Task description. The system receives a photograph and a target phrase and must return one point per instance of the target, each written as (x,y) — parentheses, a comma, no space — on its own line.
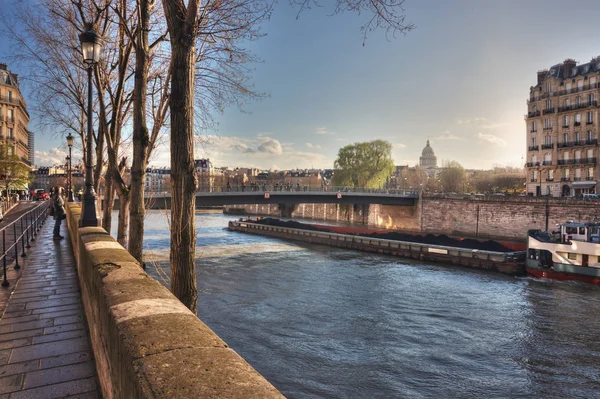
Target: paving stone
(18,313)
(61,390)
(21,334)
(4,355)
(68,320)
(11,383)
(71,358)
(59,374)
(87,395)
(71,312)
(30,325)
(39,351)
(14,343)
(63,327)
(56,308)
(19,368)
(20,319)
(52,303)
(60,336)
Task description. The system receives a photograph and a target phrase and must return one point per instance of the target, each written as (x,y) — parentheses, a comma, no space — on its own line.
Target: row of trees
(167,67)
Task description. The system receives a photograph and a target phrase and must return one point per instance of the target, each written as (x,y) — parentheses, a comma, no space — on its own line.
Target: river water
(322,322)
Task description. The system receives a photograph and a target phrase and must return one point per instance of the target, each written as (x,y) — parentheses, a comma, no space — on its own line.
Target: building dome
(428,151)
(428,159)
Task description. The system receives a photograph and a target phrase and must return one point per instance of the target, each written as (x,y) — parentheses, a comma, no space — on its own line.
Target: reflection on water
(323,322)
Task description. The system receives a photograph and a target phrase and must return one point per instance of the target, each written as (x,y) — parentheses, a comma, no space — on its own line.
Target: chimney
(541,75)
(3,66)
(595,59)
(16,77)
(569,64)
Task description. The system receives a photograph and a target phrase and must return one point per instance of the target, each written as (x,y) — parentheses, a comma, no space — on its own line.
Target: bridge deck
(45,348)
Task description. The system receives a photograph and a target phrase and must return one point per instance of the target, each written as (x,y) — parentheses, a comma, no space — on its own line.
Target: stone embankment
(498,218)
(147,344)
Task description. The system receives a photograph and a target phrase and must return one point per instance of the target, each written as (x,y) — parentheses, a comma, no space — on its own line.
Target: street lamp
(90,49)
(70,140)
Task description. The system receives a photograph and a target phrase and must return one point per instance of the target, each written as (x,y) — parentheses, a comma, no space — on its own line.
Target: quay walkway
(45,347)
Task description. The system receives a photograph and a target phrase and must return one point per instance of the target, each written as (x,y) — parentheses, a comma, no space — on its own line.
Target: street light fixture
(70,140)
(91,45)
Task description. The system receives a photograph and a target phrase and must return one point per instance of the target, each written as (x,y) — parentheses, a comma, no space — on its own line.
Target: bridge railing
(274,188)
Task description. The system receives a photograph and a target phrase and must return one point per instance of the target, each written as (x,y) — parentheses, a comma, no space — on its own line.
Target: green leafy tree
(14,174)
(367,164)
(452,178)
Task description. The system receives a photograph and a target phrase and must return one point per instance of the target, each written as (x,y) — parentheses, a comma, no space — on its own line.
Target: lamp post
(70,140)
(90,48)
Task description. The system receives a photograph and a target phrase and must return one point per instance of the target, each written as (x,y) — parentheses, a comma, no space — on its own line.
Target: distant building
(13,116)
(428,160)
(562,130)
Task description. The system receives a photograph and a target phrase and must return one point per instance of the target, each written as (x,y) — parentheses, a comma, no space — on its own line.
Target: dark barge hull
(512,263)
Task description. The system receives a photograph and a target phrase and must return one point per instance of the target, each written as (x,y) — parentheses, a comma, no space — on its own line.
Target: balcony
(577,106)
(533,131)
(548,128)
(577,179)
(565,179)
(548,111)
(565,126)
(547,163)
(532,164)
(566,162)
(590,178)
(549,178)
(577,124)
(579,143)
(533,114)
(582,161)
(564,144)
(547,146)
(534,180)
(589,123)
(534,147)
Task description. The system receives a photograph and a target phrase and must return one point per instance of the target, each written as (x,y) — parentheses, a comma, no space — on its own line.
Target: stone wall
(502,218)
(147,344)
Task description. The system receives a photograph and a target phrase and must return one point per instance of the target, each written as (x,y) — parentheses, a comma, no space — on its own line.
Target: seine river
(321,322)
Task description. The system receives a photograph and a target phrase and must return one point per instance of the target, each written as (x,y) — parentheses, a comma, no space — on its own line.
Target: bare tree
(194,30)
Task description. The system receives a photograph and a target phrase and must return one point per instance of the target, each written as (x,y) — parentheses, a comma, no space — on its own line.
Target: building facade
(562,130)
(13,116)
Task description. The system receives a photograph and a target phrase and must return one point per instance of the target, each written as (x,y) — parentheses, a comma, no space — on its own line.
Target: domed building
(428,160)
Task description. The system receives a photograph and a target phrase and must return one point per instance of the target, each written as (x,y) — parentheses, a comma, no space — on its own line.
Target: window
(547,123)
(548,140)
(534,159)
(577,119)
(577,155)
(548,158)
(578,100)
(590,153)
(566,155)
(10,132)
(589,136)
(11,115)
(590,173)
(565,138)
(580,84)
(566,121)
(590,117)
(533,127)
(548,87)
(567,102)
(590,99)
(568,86)
(566,173)
(533,141)
(578,173)
(592,80)
(548,104)
(577,137)
(534,175)
(10,96)
(550,174)
(534,108)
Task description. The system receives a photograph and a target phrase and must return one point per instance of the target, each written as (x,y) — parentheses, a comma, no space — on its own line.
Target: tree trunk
(141,138)
(183,177)
(123,220)
(109,202)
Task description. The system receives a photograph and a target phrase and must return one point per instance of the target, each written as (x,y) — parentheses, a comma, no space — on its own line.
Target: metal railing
(24,230)
(288,187)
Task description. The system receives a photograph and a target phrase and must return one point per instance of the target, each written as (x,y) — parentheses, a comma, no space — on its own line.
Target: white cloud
(446,135)
(463,121)
(55,156)
(323,131)
(490,138)
(399,145)
(270,146)
(495,125)
(315,146)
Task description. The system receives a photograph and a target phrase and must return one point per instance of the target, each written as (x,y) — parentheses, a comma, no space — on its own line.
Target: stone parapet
(147,344)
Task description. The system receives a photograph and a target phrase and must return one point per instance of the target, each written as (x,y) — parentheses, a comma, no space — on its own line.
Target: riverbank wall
(146,343)
(499,218)
(506,263)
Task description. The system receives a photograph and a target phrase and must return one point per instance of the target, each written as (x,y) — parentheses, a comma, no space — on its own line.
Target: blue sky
(460,79)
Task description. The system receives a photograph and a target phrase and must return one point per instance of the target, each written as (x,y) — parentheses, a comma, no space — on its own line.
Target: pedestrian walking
(58,204)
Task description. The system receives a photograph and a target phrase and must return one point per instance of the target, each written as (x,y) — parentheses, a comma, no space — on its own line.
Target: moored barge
(570,253)
(509,261)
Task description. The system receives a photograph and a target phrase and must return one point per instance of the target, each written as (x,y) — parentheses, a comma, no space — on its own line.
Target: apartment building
(562,130)
(13,116)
